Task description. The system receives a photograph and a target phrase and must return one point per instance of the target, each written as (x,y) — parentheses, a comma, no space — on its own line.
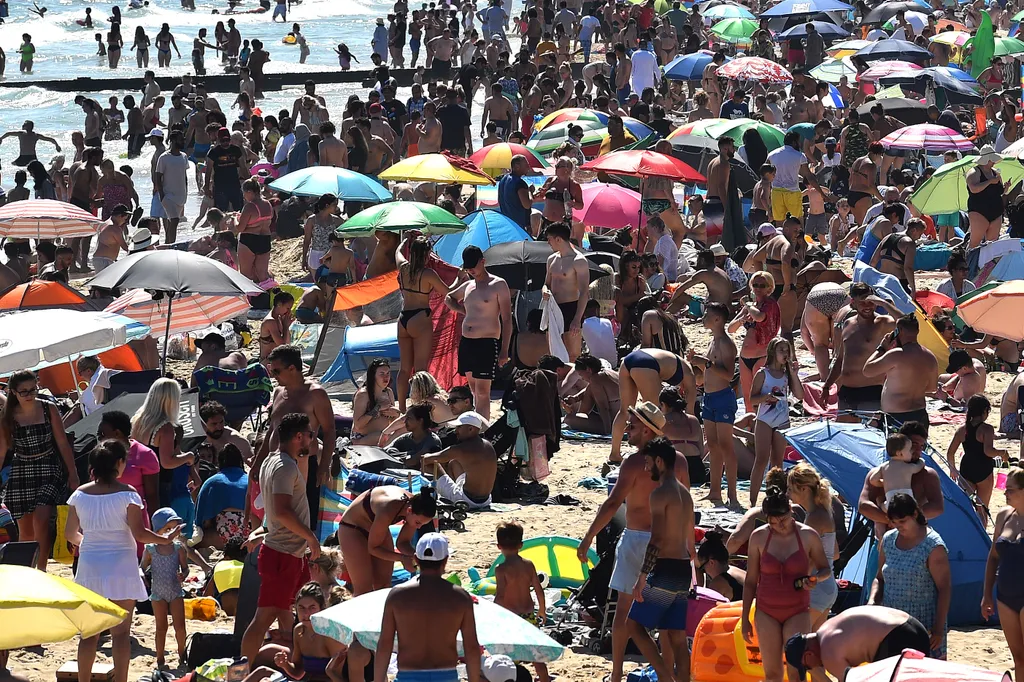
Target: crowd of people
(609,341)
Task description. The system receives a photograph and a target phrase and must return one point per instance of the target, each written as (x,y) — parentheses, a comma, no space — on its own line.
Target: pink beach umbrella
(607,205)
(46,219)
(927,136)
(755,69)
(912,666)
(190,312)
(887,68)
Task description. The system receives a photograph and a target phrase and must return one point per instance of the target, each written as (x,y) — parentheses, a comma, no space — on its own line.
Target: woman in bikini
(423,388)
(275,329)
(779,256)
(364,534)
(415,330)
(719,575)
(895,254)
(164,41)
(310,655)
(373,405)
(114,45)
(785,560)
(253,230)
(760,316)
(556,209)
(317,231)
(630,287)
(685,433)
(141,47)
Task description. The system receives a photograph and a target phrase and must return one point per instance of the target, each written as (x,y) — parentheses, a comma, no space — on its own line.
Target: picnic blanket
(582,435)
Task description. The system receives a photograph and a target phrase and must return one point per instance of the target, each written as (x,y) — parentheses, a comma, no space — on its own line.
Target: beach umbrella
(951,38)
(29,338)
(957,26)
(832,70)
(946,190)
(735,30)
(496,159)
(442,167)
(888,68)
(913,665)
(755,69)
(46,219)
(953,72)
(486,228)
(175,271)
(401,215)
(689,67)
(39,293)
(847,48)
(498,630)
(887,10)
(998,311)
(903,109)
(524,264)
(660,6)
(927,136)
(788,8)
(826,28)
(608,205)
(727,11)
(917,20)
(191,311)
(644,164)
(696,128)
(893,49)
(715,128)
(1004,46)
(345,184)
(554,135)
(572,114)
(698,150)
(48,608)
(834,99)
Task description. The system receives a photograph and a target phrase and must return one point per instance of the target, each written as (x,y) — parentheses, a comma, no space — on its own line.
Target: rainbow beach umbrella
(496,159)
(576,114)
(927,136)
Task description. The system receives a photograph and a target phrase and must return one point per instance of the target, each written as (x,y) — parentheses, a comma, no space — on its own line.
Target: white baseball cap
(499,668)
(472,419)
(156,132)
(432,547)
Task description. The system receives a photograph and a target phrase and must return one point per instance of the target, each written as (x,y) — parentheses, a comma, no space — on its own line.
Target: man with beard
(218,433)
(925,483)
(632,488)
(910,370)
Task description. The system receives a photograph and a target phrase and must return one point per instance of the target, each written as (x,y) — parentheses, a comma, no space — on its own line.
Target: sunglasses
(760,286)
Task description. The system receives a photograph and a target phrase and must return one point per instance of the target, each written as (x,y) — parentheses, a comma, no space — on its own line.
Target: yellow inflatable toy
(289,39)
(719,652)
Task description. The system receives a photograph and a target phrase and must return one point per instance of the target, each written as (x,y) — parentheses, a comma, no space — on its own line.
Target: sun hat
(988,155)
(650,415)
(163,516)
(142,239)
(718,250)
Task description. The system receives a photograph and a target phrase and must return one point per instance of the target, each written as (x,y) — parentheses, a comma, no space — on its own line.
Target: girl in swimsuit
(310,654)
(373,405)
(423,388)
(253,230)
(275,329)
(769,394)
(141,47)
(415,329)
(779,257)
(813,494)
(978,461)
(761,318)
(713,562)
(364,534)
(1004,567)
(785,560)
(685,433)
(317,231)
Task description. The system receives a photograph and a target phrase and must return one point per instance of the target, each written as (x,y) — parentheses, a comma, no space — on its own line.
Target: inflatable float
(555,556)
(288,39)
(719,652)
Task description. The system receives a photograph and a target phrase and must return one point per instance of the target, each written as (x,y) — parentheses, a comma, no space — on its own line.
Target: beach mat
(582,435)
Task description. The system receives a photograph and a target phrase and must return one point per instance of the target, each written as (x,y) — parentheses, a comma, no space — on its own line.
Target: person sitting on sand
(472,464)
(594,408)
(213,353)
(373,405)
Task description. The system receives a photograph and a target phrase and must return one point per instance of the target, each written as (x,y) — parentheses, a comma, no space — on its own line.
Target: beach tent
(360,347)
(1009,267)
(486,228)
(844,453)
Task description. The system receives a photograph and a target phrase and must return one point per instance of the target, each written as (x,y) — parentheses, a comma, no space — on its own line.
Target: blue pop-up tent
(360,347)
(1009,267)
(844,453)
(486,228)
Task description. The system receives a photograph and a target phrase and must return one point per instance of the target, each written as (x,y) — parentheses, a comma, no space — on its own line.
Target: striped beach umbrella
(951,38)
(576,114)
(847,48)
(189,313)
(832,70)
(892,67)
(755,69)
(496,159)
(927,136)
(46,219)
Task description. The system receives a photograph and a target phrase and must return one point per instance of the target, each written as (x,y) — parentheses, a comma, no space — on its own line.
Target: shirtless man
(864,182)
(112,238)
(709,82)
(499,109)
(427,614)
(213,353)
(593,409)
(623,73)
(218,433)
(719,410)
(472,464)
(531,103)
(380,154)
(856,337)
(910,370)
(295,393)
(486,303)
(430,130)
(800,109)
(665,577)
(925,483)
(382,260)
(714,279)
(300,112)
(718,173)
(882,124)
(441,48)
(633,488)
(568,280)
(27,141)
(859,635)
(333,152)
(84,180)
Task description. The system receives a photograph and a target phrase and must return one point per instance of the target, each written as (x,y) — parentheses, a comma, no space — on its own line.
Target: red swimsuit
(776,595)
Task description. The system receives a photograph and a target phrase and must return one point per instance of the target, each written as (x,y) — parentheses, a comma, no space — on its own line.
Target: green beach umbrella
(735,30)
(1018,16)
(553,136)
(946,190)
(832,70)
(401,215)
(734,129)
(1004,46)
(660,6)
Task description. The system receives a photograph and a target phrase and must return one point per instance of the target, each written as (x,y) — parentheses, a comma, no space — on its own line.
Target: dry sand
(982,646)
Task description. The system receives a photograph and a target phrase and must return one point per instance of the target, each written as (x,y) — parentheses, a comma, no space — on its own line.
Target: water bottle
(238,670)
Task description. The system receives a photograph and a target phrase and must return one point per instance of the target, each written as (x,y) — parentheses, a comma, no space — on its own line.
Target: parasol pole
(167,333)
(640,215)
(323,330)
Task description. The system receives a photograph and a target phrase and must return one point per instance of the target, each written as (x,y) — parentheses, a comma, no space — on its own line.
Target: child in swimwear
(516,576)
(895,474)
(816,224)
(101,51)
(761,205)
(169,568)
(311,653)
(28,51)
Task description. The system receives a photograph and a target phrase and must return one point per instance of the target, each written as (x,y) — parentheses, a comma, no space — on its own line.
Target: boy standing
(516,576)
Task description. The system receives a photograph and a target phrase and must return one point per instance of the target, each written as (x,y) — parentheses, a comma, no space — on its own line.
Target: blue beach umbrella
(486,228)
(727,12)
(825,28)
(345,184)
(688,67)
(788,8)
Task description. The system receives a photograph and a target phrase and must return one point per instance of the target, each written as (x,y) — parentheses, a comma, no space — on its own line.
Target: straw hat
(650,415)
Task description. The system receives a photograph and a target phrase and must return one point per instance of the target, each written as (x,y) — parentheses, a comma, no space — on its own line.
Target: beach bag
(645,674)
(61,552)
(538,464)
(204,646)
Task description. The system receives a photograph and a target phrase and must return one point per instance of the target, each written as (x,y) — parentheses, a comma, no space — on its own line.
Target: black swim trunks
(909,635)
(860,398)
(478,357)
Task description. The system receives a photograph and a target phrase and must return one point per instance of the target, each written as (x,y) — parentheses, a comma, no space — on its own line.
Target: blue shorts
(720,406)
(622,94)
(443,675)
(279,11)
(665,595)
(414,44)
(199,152)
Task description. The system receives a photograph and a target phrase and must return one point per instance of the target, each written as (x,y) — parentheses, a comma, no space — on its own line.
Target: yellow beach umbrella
(437,168)
(39,607)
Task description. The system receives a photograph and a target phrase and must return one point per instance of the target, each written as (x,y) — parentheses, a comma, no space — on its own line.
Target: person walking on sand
(516,577)
(568,283)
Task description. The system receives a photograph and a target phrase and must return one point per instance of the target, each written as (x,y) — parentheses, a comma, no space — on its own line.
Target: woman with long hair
(253,229)
(976,466)
(43,468)
(311,656)
(813,494)
(685,433)
(359,151)
(275,329)
(154,425)
(769,393)
(913,571)
(719,575)
(423,388)
(1004,568)
(364,534)
(105,520)
(373,405)
(760,316)
(141,47)
(630,287)
(44,187)
(317,231)
(416,281)
(785,560)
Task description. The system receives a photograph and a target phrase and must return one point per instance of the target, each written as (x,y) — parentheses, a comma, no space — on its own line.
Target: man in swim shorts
(427,614)
(718,189)
(28,138)
(910,370)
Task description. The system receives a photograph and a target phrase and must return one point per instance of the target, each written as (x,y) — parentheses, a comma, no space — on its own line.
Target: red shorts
(281,576)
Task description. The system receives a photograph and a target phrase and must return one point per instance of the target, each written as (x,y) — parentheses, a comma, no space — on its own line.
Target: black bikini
(406,315)
(889,247)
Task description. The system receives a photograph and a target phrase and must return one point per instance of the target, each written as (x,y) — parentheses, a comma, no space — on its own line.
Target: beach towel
(553,323)
(444,363)
(582,435)
(932,257)
(813,403)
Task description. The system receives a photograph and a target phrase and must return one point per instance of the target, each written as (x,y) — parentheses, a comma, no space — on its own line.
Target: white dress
(107,561)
